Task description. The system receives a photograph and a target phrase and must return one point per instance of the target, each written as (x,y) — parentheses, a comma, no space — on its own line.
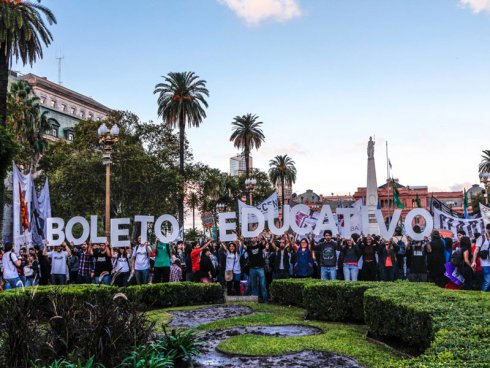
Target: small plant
(62,363)
(182,345)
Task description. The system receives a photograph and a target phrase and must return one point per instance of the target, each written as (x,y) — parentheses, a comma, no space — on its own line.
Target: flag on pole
(466,215)
(396,196)
(417,200)
(389,164)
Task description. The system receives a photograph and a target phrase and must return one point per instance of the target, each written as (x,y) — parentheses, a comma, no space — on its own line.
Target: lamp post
(107,138)
(250,184)
(485,179)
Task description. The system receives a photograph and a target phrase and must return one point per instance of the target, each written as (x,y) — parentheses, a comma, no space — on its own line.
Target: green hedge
(447,328)
(290,291)
(149,296)
(450,328)
(337,301)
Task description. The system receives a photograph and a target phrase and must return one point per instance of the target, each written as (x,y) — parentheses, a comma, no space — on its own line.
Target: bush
(449,328)
(336,301)
(290,291)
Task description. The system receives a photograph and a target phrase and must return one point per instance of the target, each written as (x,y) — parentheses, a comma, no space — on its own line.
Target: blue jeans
(142,276)
(257,280)
(31,281)
(329,273)
(106,280)
(84,279)
(485,286)
(350,272)
(13,283)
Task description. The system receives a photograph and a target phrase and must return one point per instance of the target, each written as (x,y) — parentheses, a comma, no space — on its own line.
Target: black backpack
(483,254)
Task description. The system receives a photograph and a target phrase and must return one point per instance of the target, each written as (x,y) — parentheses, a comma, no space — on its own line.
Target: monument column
(371,190)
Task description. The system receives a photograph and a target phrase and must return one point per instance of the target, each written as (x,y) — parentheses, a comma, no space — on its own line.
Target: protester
(482,251)
(417,258)
(161,269)
(206,268)
(327,251)
(387,252)
(74,264)
(10,263)
(59,263)
(195,257)
(232,268)
(402,270)
(122,267)
(140,266)
(368,249)
(465,261)
(256,268)
(175,270)
(31,269)
(477,271)
(85,265)
(350,255)
(282,259)
(436,260)
(102,256)
(304,259)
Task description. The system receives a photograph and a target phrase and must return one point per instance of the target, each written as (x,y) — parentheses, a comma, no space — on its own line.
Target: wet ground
(212,357)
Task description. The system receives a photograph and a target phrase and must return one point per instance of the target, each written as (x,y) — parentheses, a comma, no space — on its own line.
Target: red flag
(23,210)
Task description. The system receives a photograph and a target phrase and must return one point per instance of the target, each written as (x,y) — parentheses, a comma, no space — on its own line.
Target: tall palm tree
(485,162)
(247,135)
(23,33)
(282,170)
(181,102)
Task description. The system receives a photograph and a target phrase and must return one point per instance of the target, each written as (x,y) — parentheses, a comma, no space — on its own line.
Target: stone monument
(371,190)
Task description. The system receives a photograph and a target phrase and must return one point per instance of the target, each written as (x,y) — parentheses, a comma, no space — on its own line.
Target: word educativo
(57,232)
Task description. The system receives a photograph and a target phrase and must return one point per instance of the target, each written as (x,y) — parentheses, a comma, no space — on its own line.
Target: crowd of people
(248,266)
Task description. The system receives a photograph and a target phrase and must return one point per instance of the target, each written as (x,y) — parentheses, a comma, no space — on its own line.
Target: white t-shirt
(141,261)
(9,269)
(121,264)
(233,262)
(484,245)
(58,262)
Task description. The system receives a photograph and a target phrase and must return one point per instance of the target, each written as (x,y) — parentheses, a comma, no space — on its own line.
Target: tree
(28,123)
(485,162)
(181,102)
(247,135)
(282,170)
(22,35)
(193,203)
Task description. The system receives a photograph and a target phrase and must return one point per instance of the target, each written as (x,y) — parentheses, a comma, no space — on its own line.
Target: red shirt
(195,259)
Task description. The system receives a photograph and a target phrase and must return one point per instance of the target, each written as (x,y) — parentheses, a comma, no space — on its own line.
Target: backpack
(457,259)
(401,247)
(483,254)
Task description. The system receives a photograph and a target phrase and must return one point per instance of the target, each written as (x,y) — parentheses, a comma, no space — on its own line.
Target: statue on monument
(370,150)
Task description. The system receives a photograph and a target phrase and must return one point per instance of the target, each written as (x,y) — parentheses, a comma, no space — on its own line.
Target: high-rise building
(288,191)
(238,165)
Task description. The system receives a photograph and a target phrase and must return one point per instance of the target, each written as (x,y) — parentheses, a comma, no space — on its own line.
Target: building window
(73,110)
(63,107)
(99,118)
(53,103)
(54,128)
(43,100)
(90,116)
(69,137)
(82,114)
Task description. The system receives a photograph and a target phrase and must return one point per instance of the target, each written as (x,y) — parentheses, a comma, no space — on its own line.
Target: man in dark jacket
(281,260)
(328,256)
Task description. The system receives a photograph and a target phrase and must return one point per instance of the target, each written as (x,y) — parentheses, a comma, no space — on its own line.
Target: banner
(485,212)
(272,200)
(470,226)
(44,201)
(25,184)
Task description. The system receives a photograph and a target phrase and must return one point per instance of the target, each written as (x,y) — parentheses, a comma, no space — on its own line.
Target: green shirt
(162,259)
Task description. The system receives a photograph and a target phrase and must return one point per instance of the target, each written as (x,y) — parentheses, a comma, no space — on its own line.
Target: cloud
(477,6)
(256,11)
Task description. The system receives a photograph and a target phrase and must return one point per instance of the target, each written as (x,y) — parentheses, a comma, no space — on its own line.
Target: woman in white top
(141,263)
(122,267)
(232,269)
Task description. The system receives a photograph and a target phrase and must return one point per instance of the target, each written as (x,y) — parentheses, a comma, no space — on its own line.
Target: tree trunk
(4,79)
(181,170)
(282,198)
(246,153)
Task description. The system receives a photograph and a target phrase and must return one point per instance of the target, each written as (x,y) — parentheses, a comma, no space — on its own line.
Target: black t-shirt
(102,263)
(418,258)
(255,256)
(328,253)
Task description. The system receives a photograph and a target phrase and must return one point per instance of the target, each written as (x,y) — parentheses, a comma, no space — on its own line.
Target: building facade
(65,107)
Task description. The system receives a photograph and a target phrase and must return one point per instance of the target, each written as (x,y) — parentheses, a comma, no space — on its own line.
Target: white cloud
(255,11)
(477,6)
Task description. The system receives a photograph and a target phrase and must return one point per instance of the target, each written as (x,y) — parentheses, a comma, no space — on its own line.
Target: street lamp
(484,179)
(250,184)
(107,138)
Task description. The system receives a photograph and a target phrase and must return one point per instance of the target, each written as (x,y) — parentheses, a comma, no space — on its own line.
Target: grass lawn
(348,340)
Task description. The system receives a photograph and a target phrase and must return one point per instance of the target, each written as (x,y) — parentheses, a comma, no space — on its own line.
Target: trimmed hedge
(290,291)
(336,301)
(448,328)
(148,296)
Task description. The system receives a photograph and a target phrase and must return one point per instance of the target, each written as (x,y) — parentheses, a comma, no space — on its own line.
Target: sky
(323,76)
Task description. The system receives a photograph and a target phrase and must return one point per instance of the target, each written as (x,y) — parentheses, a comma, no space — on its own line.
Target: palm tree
(181,102)
(193,202)
(485,162)
(22,35)
(247,135)
(282,170)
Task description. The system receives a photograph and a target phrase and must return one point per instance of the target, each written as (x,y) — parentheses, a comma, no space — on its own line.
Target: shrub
(336,301)
(290,291)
